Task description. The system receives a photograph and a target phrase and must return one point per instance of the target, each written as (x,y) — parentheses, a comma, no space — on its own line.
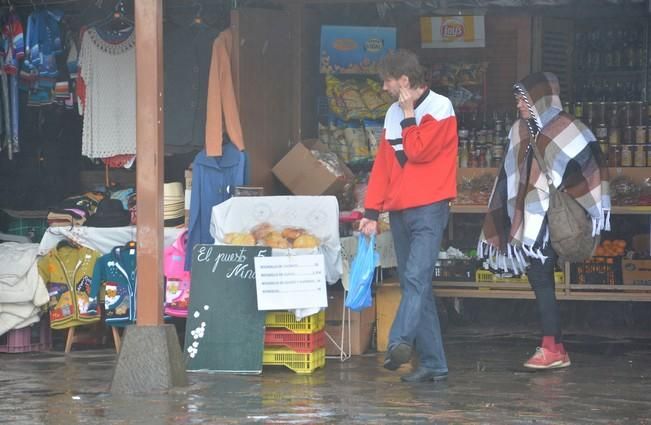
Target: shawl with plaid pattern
(515,227)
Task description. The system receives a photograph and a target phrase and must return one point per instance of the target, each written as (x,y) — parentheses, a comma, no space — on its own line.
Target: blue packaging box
(354,50)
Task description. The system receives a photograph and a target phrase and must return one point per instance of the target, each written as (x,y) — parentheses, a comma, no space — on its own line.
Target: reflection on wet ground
(608,383)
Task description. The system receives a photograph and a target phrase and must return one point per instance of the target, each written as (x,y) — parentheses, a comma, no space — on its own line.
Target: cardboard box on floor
(303,174)
(636,272)
(361,326)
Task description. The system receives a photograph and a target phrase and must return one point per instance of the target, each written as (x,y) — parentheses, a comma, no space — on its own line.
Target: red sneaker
(546,359)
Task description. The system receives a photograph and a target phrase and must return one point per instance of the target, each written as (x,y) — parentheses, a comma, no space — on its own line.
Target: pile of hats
(173,204)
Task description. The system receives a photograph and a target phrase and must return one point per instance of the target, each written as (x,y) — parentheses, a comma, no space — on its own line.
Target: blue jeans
(417,234)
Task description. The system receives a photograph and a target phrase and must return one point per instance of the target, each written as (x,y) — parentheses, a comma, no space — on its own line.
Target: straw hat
(173,191)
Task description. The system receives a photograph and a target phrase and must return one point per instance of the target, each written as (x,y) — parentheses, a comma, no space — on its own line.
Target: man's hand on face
(368,226)
(406,101)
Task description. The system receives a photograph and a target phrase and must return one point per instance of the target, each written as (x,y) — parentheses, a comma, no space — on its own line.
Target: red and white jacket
(416,164)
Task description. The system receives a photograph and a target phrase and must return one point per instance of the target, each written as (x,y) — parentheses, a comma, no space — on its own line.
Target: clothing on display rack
(177,280)
(13,51)
(213,179)
(67,271)
(39,70)
(187,53)
(116,271)
(222,113)
(22,290)
(107,93)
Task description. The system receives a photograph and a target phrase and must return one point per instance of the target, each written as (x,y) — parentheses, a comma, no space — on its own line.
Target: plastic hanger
(67,243)
(198,18)
(117,17)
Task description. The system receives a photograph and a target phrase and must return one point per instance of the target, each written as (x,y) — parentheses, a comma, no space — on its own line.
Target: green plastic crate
(32,224)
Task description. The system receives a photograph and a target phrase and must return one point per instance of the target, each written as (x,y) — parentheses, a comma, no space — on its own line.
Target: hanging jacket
(186,85)
(221,106)
(67,273)
(213,181)
(177,279)
(117,272)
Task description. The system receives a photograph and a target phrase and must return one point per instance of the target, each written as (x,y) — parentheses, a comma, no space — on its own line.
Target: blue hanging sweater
(117,272)
(213,181)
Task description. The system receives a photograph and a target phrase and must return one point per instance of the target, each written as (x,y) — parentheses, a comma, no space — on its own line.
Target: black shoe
(397,356)
(424,375)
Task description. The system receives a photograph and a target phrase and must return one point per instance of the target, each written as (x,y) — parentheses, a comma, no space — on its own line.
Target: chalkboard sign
(224,330)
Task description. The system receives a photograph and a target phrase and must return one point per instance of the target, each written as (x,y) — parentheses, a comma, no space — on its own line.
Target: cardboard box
(361,326)
(303,174)
(636,272)
(388,299)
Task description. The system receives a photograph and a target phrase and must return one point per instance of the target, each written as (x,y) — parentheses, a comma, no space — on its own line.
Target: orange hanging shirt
(222,108)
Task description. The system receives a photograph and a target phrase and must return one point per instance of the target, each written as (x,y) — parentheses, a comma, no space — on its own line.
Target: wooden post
(149,177)
(150,358)
(296,10)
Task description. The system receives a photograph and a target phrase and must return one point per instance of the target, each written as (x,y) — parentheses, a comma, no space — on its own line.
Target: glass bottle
(463,154)
(639,158)
(626,159)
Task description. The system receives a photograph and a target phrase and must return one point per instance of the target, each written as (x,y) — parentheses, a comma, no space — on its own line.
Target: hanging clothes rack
(30,3)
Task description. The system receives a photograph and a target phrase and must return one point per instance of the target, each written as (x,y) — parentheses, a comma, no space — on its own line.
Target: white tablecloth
(101,239)
(319,215)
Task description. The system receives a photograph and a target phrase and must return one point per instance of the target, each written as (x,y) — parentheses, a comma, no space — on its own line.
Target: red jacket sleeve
(378,181)
(422,143)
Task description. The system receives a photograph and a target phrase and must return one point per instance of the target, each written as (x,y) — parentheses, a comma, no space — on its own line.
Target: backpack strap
(541,162)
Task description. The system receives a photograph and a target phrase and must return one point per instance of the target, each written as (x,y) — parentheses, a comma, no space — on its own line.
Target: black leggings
(541,278)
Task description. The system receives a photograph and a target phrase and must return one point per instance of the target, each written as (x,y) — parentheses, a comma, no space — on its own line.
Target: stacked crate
(36,337)
(298,345)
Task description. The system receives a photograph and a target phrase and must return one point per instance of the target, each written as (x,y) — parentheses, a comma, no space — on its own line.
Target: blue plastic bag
(361,274)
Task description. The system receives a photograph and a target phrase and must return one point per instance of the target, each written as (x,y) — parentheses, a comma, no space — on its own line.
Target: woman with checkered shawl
(515,236)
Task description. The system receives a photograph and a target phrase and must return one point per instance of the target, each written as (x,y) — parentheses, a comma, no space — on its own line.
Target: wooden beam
(149,151)
(296,18)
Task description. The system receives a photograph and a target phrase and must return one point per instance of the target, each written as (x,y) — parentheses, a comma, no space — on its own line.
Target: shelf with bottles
(483,137)
(597,87)
(611,46)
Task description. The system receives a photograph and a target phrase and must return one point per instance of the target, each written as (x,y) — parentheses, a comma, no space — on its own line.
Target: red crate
(301,343)
(31,338)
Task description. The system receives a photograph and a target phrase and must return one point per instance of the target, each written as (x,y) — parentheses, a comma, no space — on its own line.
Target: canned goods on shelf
(626,156)
(639,157)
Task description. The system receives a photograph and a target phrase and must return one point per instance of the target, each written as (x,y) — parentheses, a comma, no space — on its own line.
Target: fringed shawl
(515,227)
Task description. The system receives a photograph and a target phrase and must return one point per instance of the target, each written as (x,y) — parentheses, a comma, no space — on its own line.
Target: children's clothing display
(67,271)
(177,286)
(117,272)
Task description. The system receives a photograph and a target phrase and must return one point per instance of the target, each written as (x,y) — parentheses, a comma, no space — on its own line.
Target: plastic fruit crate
(303,363)
(598,271)
(287,320)
(301,343)
(28,339)
(455,270)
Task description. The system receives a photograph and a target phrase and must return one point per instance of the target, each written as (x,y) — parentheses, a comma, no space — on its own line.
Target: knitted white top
(109,74)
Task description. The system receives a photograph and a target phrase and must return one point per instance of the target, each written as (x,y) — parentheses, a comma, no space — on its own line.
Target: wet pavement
(608,383)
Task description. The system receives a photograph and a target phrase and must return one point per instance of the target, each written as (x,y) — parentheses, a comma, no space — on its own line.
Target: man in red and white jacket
(414,179)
